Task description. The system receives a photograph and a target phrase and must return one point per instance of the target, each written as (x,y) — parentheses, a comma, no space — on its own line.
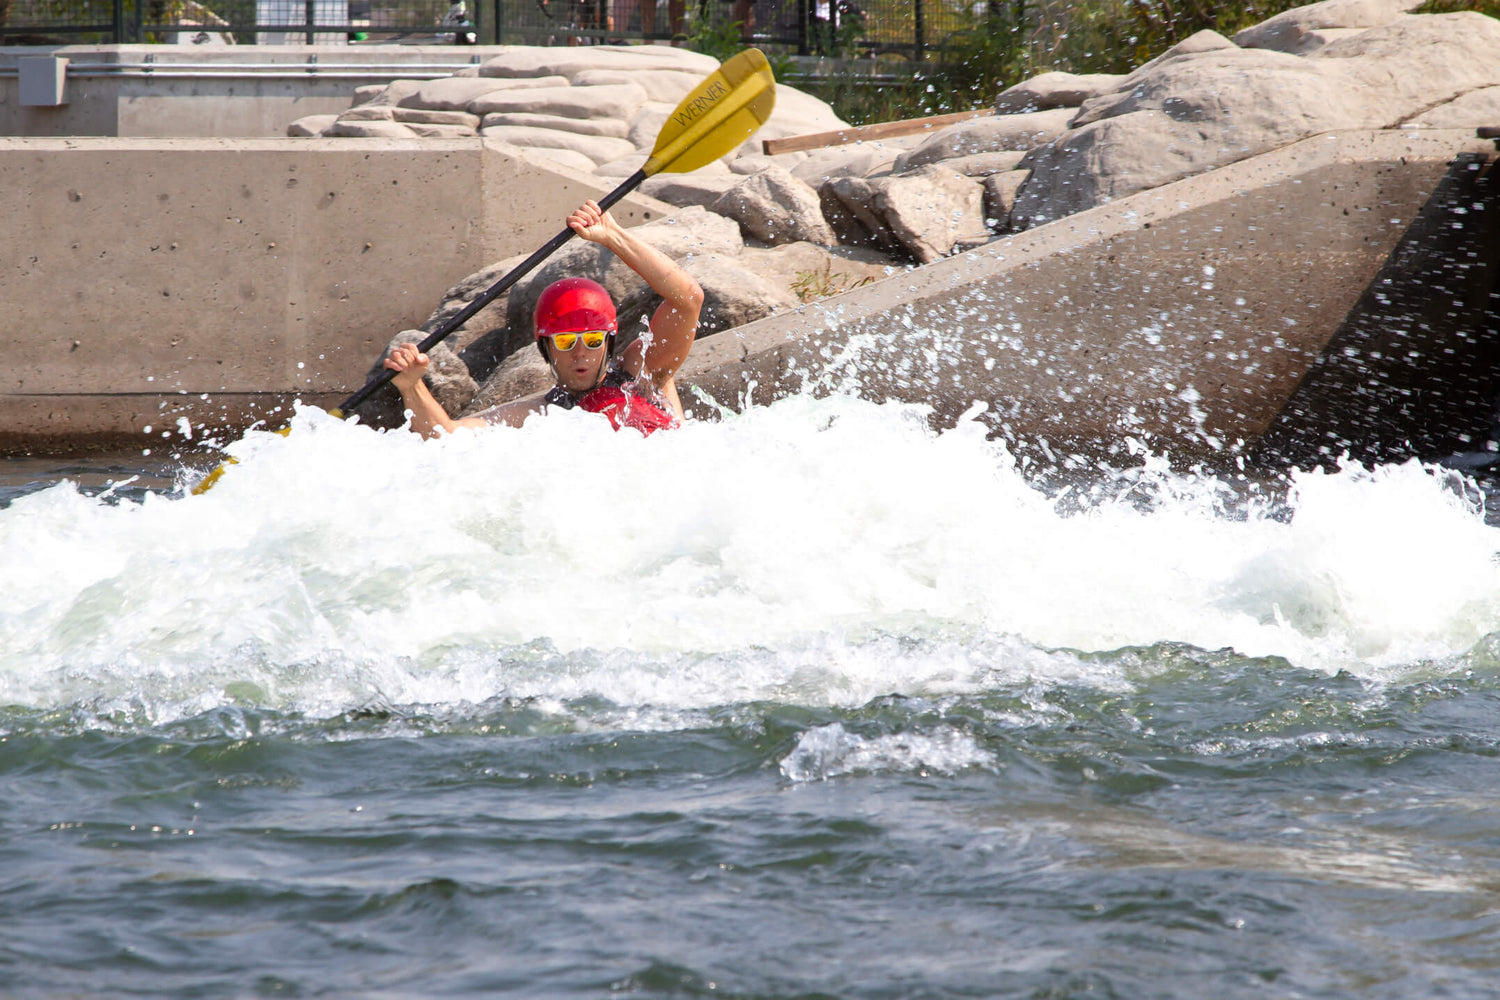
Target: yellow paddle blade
(214,476)
(721,112)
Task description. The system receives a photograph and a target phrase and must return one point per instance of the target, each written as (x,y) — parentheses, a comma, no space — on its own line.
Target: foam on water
(815,551)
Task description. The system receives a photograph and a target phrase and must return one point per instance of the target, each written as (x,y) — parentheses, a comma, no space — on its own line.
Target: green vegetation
(977,49)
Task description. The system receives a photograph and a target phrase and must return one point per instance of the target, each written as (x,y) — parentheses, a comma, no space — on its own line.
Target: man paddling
(575,329)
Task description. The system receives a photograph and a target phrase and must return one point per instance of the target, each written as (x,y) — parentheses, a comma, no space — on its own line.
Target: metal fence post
(119,23)
(921,31)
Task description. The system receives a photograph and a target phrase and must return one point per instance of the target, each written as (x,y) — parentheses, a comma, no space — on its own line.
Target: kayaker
(575,329)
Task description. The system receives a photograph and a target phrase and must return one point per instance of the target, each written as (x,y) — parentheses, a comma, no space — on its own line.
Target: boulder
(696,188)
(850,160)
(666,85)
(369,130)
(1055,90)
(1109,159)
(991,134)
(751,163)
(422,116)
(775,207)
(1000,198)
(567,102)
(612,127)
(646,123)
(473,342)
(984,164)
(524,373)
(447,377)
(1414,63)
(312,125)
(454,93)
(1206,40)
(442,131)
(368,92)
(622,167)
(1476,108)
(392,93)
(369,113)
(926,213)
(1289,30)
(734,295)
(598,148)
(848,205)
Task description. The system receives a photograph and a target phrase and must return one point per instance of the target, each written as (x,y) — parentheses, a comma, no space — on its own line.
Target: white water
(815,551)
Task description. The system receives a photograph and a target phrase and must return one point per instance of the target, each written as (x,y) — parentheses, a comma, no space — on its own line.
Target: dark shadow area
(1414,370)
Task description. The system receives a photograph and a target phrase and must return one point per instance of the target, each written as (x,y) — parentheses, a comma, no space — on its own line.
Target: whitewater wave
(818,551)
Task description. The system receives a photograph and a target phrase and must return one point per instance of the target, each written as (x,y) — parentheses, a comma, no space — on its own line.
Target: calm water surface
(811,702)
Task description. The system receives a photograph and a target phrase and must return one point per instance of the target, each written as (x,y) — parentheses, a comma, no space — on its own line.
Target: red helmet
(572,305)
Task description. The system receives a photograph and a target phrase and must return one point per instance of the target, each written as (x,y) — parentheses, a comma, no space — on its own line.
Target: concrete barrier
(209,91)
(150,281)
(1183,318)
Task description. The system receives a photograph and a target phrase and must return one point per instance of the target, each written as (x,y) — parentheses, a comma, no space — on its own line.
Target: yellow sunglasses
(592,339)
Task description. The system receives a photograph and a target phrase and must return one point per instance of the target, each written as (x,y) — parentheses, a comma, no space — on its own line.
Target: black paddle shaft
(493,292)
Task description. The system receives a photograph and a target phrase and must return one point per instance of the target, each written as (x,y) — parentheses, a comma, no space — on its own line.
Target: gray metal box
(44,80)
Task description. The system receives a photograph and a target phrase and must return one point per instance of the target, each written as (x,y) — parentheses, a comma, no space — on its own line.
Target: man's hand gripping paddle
(721,112)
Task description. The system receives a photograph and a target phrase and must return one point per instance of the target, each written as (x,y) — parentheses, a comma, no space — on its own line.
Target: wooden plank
(867,133)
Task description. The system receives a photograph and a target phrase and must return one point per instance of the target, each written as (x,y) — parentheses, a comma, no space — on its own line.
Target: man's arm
(427,414)
(676,319)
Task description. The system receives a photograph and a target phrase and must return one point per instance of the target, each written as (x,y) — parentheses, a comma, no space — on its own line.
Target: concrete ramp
(1186,318)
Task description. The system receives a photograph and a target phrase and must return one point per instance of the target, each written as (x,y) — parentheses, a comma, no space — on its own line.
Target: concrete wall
(1185,316)
(141,275)
(185,90)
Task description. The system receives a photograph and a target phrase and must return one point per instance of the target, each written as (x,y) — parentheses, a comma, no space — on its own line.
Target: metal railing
(837,28)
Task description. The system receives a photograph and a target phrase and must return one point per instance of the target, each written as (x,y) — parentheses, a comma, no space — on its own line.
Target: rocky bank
(764,233)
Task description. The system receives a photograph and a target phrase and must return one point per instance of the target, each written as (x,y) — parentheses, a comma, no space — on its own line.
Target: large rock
(392,93)
(666,85)
(369,113)
(615,128)
(369,130)
(1302,29)
(1477,107)
(598,148)
(990,134)
(775,207)
(427,131)
(984,164)
(696,188)
(734,295)
(311,125)
(424,116)
(1055,90)
(1000,192)
(1408,66)
(646,123)
(568,102)
(447,377)
(1109,159)
(926,213)
(524,373)
(624,166)
(456,93)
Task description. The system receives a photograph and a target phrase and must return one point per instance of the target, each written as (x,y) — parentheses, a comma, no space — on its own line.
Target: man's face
(578,367)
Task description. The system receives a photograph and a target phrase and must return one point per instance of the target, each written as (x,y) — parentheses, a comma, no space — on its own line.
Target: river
(811,701)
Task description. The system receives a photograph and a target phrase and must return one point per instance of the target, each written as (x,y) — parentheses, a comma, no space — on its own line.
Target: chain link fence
(836,28)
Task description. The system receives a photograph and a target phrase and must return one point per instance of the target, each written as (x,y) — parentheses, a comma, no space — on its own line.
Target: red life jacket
(619,398)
